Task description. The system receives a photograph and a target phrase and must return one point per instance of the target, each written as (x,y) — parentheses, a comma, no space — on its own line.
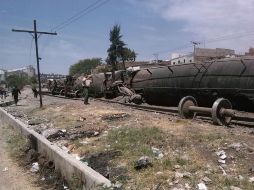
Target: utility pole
(35,36)
(194,52)
(156,56)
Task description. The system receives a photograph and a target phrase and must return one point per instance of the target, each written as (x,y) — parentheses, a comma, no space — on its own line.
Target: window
(190,60)
(184,60)
(178,61)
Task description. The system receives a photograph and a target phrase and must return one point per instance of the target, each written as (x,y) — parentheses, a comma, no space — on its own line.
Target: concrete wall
(65,163)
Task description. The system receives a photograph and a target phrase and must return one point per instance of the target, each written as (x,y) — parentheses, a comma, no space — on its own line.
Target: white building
(2,75)
(180,59)
(202,54)
(29,70)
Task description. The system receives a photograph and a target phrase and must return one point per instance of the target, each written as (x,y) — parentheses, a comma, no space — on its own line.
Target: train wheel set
(221,111)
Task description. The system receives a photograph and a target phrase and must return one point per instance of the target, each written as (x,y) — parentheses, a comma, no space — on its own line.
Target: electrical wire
(80,14)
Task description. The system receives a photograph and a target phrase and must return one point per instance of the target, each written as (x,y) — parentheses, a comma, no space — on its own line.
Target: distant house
(28,70)
(2,75)
(202,54)
(251,51)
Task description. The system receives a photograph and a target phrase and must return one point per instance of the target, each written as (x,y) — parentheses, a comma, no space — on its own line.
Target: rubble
(142,162)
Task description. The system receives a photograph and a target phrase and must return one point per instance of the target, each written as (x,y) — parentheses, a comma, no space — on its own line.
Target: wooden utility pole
(35,36)
(194,53)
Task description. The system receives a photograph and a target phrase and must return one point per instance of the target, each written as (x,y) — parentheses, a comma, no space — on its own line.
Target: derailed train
(232,79)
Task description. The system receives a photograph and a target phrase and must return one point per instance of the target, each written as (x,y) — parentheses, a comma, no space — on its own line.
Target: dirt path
(14,178)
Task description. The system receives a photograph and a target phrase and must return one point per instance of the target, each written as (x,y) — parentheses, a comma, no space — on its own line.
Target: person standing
(15,94)
(86,84)
(35,91)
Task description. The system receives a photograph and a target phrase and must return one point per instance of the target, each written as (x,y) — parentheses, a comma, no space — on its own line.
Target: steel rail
(241,118)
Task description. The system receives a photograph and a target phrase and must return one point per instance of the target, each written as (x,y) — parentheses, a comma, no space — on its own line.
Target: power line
(80,14)
(221,38)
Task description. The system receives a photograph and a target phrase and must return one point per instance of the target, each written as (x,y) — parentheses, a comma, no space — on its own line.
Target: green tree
(17,80)
(116,48)
(128,55)
(84,66)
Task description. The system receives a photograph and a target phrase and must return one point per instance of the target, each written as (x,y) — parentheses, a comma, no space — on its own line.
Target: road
(14,178)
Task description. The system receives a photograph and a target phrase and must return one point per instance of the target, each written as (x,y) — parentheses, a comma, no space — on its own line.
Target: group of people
(86,82)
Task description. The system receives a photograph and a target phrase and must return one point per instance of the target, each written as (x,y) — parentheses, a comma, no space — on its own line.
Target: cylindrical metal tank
(229,78)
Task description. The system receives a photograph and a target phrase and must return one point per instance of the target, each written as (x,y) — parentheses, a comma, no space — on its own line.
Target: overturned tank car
(232,79)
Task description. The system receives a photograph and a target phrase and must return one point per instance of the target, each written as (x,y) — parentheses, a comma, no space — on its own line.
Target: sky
(149,27)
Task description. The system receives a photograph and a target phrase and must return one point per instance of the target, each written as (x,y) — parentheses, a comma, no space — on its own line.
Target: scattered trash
(5,169)
(118,185)
(142,162)
(35,167)
(251,180)
(35,122)
(157,152)
(159,173)
(82,118)
(52,133)
(115,116)
(178,175)
(222,156)
(187,186)
(206,180)
(235,188)
(177,166)
(65,187)
(201,186)
(251,170)
(235,146)
(76,156)
(43,179)
(223,171)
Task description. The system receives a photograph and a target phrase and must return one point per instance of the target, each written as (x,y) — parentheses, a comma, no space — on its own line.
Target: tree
(128,55)
(116,49)
(84,66)
(17,80)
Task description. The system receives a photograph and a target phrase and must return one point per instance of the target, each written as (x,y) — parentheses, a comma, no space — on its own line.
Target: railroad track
(240,118)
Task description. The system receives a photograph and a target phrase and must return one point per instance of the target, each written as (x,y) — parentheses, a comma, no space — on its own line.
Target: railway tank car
(232,79)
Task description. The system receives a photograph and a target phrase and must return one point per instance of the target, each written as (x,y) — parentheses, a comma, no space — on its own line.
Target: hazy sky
(147,26)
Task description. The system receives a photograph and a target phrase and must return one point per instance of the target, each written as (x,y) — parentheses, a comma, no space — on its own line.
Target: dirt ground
(110,138)
(12,176)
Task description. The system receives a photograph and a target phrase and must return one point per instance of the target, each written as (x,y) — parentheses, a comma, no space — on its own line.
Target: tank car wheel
(218,118)
(183,107)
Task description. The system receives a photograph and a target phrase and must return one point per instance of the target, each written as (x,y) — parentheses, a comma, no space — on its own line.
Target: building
(45,77)
(2,76)
(28,70)
(188,58)
(202,54)
(251,51)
